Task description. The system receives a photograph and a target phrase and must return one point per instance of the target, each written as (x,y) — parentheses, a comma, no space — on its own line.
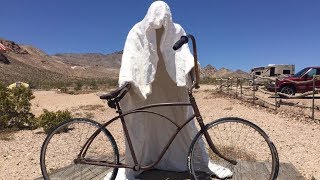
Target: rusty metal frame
(81,157)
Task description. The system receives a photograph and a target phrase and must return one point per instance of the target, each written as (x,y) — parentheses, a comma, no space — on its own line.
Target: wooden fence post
(228,85)
(241,88)
(275,94)
(237,88)
(314,91)
(231,84)
(253,93)
(253,87)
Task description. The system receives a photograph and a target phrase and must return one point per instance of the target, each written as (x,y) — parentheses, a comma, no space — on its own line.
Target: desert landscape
(291,128)
(297,139)
(257,64)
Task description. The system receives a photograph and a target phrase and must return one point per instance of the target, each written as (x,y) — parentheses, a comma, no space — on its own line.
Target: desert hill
(210,71)
(92,59)
(32,65)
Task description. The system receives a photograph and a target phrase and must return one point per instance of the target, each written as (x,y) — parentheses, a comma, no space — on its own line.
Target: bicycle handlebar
(183,40)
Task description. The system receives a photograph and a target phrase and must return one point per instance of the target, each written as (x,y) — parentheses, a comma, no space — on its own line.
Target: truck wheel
(290,90)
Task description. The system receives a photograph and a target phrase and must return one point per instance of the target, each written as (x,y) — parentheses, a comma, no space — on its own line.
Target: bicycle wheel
(62,146)
(236,139)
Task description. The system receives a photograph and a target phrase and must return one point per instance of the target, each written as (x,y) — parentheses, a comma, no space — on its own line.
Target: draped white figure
(158,74)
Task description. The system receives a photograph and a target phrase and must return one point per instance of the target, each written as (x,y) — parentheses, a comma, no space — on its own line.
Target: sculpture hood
(140,58)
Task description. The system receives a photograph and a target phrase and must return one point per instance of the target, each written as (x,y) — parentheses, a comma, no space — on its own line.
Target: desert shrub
(15,108)
(64,89)
(208,80)
(79,85)
(76,84)
(6,107)
(93,85)
(48,120)
(112,82)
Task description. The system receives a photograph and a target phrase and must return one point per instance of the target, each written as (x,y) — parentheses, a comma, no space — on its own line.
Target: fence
(240,88)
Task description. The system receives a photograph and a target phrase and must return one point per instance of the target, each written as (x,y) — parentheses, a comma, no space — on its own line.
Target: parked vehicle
(289,87)
(272,70)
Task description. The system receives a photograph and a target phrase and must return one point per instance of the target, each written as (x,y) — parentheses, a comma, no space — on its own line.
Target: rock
(13,47)
(207,71)
(4,59)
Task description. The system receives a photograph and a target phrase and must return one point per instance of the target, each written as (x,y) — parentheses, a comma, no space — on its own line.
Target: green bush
(48,120)
(15,108)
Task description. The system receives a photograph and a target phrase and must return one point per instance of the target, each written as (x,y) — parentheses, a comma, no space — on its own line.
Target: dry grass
(89,115)
(233,153)
(6,135)
(92,107)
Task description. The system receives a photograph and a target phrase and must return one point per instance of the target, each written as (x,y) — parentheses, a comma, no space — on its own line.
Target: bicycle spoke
(238,140)
(60,149)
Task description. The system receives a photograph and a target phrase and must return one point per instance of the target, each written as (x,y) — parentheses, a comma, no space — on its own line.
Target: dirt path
(297,142)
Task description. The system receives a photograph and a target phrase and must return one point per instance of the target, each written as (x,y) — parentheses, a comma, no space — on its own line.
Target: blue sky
(235,34)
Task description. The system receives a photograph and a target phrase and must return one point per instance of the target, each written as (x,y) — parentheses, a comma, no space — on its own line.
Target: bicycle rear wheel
(62,146)
(236,139)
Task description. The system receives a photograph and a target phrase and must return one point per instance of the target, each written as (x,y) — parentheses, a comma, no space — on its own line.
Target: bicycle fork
(205,132)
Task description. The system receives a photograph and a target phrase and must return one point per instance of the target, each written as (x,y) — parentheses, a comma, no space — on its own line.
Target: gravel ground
(297,140)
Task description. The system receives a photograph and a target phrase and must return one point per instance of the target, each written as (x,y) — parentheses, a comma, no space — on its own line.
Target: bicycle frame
(143,109)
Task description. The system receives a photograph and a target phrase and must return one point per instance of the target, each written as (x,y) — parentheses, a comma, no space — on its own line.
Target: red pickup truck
(289,87)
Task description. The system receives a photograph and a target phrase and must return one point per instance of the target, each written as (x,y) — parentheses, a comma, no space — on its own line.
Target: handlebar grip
(180,42)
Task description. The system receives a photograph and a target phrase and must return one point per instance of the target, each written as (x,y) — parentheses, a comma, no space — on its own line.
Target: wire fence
(247,89)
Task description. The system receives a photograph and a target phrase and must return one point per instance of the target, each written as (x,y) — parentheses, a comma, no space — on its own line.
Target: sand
(297,139)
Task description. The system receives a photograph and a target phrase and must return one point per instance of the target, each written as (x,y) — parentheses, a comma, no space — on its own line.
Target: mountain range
(30,64)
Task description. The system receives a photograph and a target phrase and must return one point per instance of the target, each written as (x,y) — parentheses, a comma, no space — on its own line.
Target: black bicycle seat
(118,93)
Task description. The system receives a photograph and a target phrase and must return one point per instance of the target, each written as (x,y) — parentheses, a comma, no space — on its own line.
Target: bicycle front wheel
(246,152)
(63,145)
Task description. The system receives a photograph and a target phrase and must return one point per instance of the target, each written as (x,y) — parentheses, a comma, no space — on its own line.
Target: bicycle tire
(259,161)
(102,146)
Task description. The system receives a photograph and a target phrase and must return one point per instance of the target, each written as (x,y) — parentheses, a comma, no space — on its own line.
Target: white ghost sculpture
(158,74)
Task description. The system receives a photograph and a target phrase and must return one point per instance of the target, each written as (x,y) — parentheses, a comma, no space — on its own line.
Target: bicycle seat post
(118,108)
(126,133)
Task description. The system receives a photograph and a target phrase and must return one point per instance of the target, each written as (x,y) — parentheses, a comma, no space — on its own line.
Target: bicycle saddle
(115,96)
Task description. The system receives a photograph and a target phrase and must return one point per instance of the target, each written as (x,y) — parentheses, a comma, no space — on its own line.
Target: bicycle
(249,147)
